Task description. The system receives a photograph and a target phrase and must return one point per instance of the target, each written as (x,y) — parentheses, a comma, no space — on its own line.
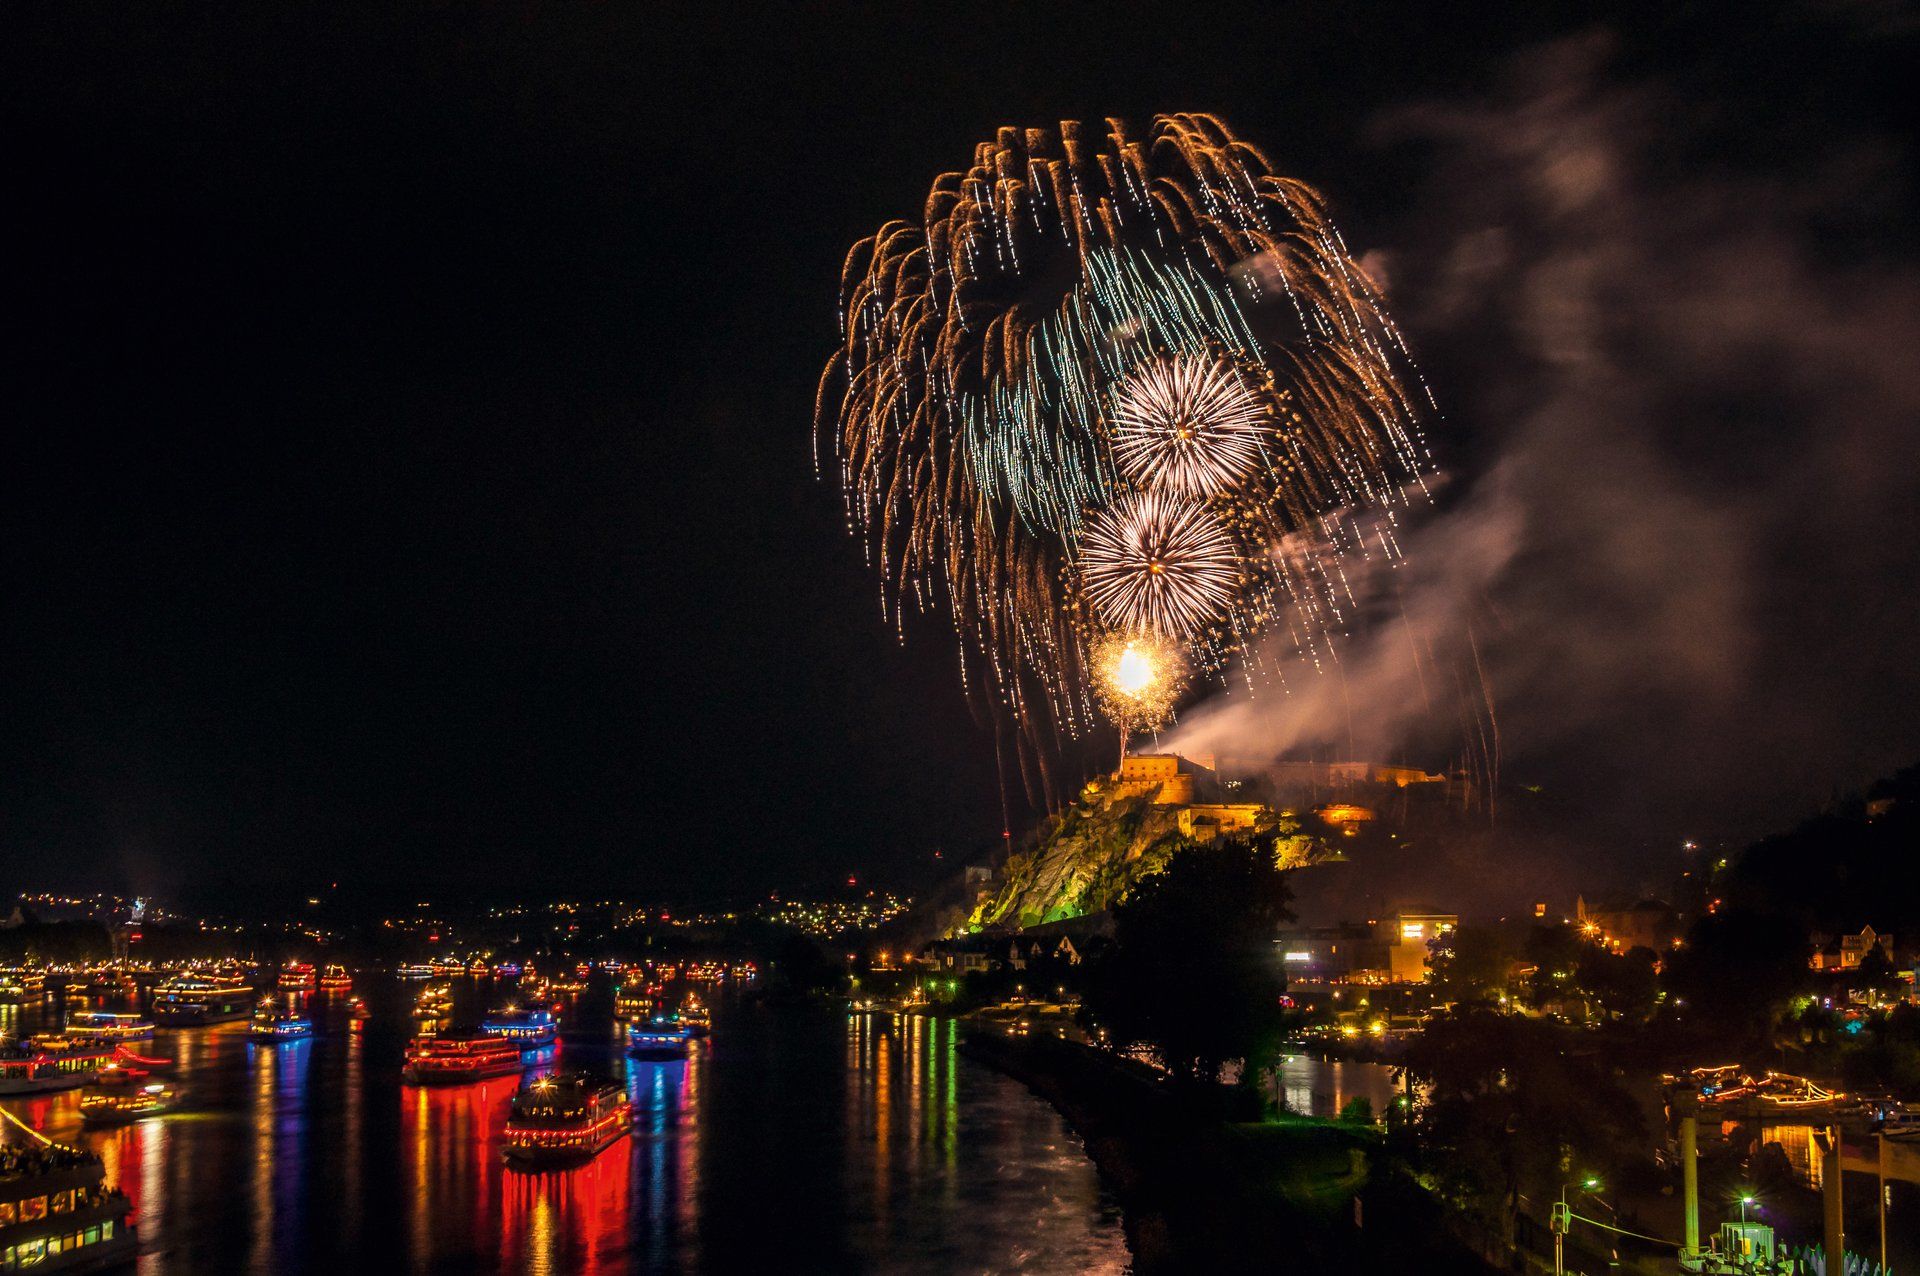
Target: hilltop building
(1167,779)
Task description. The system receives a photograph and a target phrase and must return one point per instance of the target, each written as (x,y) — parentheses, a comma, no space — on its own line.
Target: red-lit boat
(296,976)
(565,1119)
(458,1060)
(336,979)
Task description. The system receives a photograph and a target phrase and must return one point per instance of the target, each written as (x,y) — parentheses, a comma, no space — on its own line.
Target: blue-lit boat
(529,1029)
(659,1039)
(273,1024)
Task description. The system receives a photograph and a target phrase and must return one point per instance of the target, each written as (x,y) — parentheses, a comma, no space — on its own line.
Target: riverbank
(1201,1194)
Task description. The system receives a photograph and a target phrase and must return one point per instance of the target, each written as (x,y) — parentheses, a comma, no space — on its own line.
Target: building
(1848,951)
(1204,821)
(1391,950)
(1409,944)
(1166,778)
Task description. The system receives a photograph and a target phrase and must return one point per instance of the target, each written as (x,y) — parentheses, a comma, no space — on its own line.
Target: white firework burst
(1158,563)
(1188,425)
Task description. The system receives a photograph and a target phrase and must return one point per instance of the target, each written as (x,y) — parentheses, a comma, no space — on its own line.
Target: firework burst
(1158,563)
(1187,425)
(1138,679)
(1014,370)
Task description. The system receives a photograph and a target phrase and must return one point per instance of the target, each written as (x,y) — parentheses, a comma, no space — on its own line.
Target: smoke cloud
(1680,395)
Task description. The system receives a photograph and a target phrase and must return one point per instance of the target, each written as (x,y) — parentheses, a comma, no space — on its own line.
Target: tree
(1474,966)
(1877,976)
(1625,984)
(1192,969)
(1737,971)
(1512,1109)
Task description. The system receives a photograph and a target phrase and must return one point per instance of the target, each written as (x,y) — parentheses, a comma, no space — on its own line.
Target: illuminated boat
(296,976)
(565,1119)
(19,984)
(632,1002)
(121,1096)
(107,1024)
(415,971)
(335,979)
(694,1016)
(530,1029)
(54,1062)
(458,1060)
(270,1023)
(357,1009)
(188,1000)
(434,1002)
(57,1213)
(659,1039)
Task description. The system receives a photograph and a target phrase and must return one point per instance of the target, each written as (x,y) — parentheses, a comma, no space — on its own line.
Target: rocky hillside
(1086,858)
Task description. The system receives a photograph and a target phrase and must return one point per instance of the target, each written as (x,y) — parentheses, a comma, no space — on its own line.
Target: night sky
(411,476)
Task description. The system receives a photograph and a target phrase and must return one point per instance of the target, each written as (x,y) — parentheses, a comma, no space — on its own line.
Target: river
(794,1139)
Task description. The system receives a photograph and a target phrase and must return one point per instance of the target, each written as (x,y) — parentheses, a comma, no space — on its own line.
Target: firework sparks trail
(1077,322)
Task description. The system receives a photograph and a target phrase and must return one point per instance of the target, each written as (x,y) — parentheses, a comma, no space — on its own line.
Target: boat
(530,1029)
(357,1008)
(632,1002)
(336,979)
(188,1000)
(1899,1122)
(415,971)
(88,1229)
(296,976)
(658,1039)
(694,1016)
(458,1060)
(108,1024)
(271,1023)
(121,1096)
(565,1119)
(434,1002)
(21,984)
(54,1062)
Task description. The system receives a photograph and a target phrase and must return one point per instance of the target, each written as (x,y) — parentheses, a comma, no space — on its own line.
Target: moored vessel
(271,1022)
(57,1212)
(121,1096)
(109,1024)
(336,979)
(21,984)
(190,1000)
(565,1119)
(458,1060)
(434,1002)
(658,1039)
(48,1063)
(530,1029)
(296,976)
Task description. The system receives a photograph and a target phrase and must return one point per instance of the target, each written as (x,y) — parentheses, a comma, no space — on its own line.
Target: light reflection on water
(794,1140)
(1321,1087)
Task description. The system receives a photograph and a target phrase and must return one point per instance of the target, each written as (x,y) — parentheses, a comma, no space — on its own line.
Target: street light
(1562,1220)
(1746,1199)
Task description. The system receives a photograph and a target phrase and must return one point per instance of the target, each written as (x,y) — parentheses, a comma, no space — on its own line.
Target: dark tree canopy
(1192,970)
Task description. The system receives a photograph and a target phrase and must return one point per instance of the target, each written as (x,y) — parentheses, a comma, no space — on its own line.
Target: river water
(794,1140)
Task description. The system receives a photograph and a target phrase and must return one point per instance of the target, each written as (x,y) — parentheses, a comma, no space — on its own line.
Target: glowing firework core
(1133,672)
